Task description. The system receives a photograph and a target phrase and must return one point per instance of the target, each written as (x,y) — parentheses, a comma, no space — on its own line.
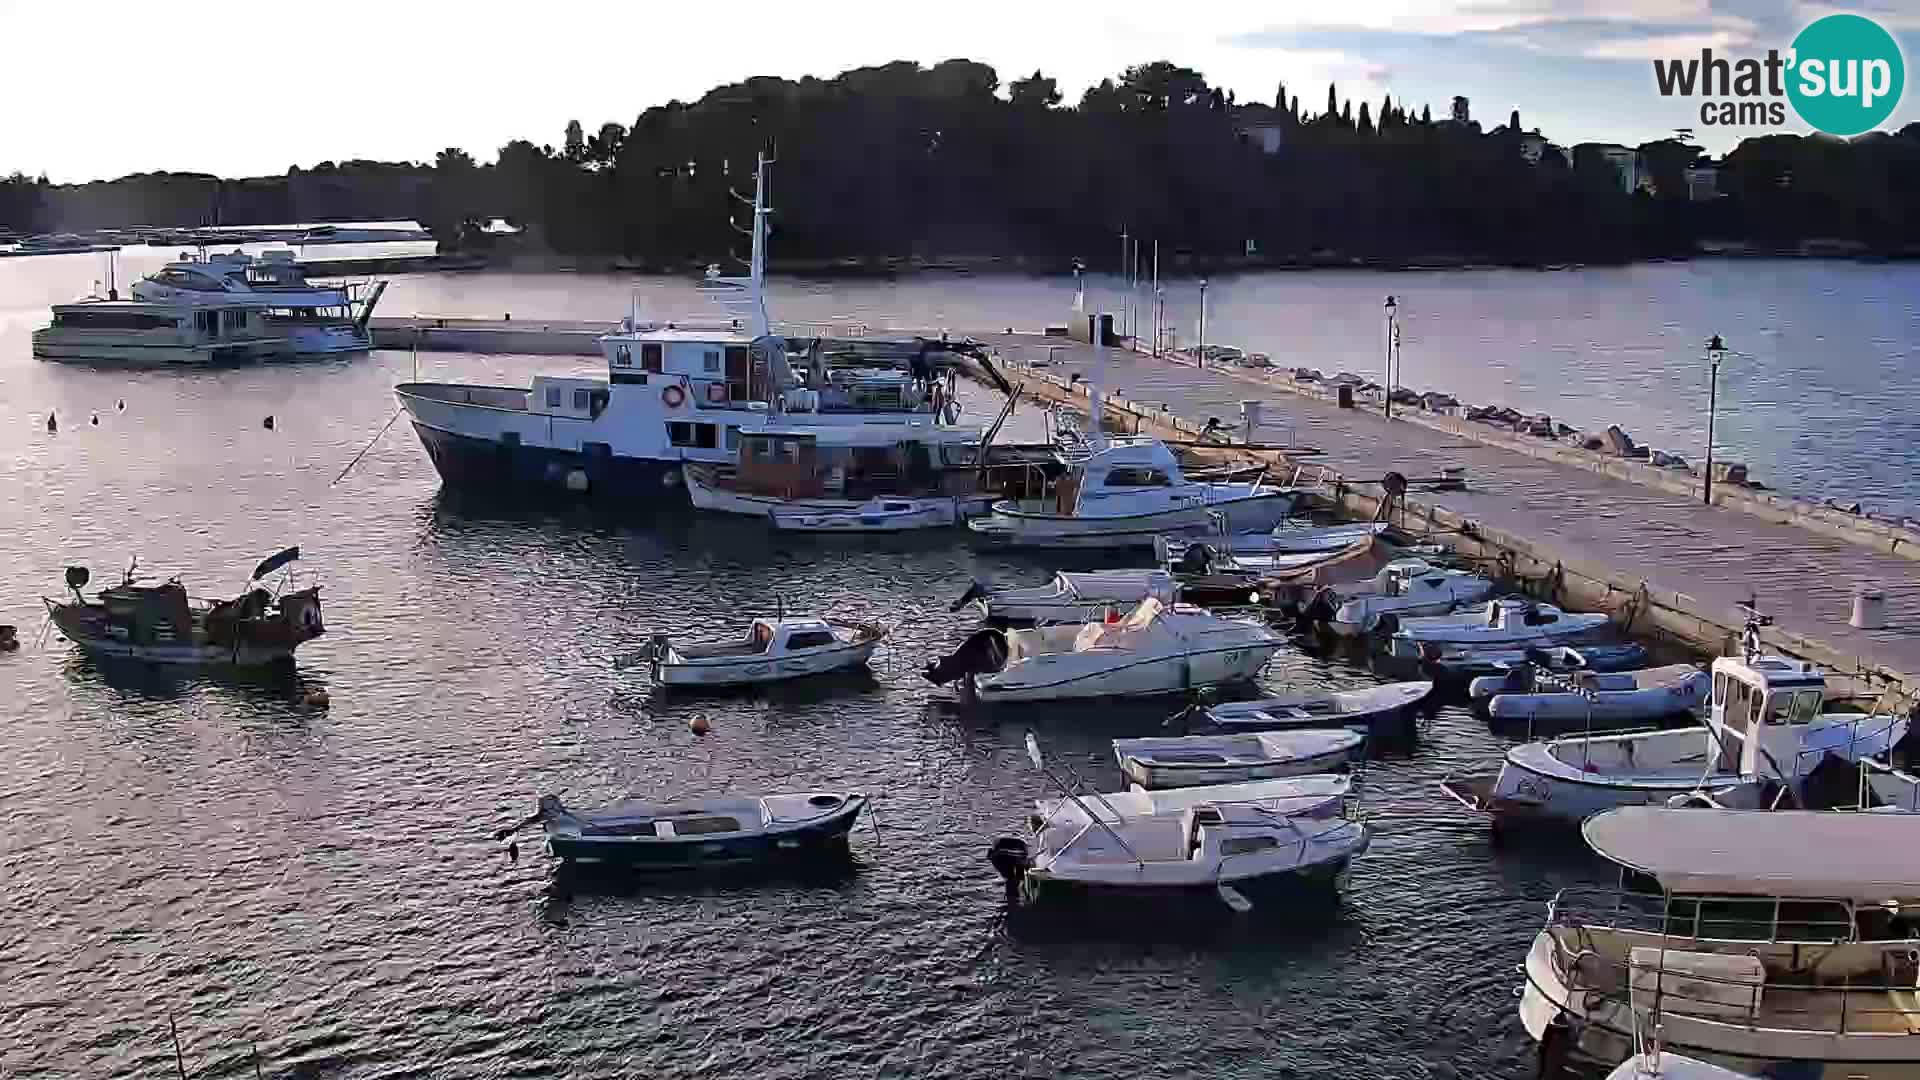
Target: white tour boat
(1505,622)
(675,393)
(1072,597)
(789,647)
(315,319)
(1770,943)
(1765,731)
(1155,649)
(1198,760)
(1404,588)
(144,334)
(1128,493)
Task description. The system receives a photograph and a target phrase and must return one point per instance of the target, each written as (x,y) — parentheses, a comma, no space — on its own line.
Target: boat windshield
(1798,707)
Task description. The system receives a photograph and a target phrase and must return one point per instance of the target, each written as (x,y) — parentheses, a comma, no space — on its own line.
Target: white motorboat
(1544,703)
(1207,849)
(673,393)
(316,319)
(1196,760)
(1127,493)
(1507,621)
(788,647)
(144,334)
(1404,588)
(1769,938)
(1072,597)
(1155,649)
(1765,731)
(1317,795)
(875,515)
(1392,708)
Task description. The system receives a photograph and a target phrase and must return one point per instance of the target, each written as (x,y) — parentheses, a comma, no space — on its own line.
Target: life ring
(673,397)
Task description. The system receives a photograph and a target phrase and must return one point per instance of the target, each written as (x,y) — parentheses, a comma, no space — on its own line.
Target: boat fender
(9,640)
(699,725)
(670,479)
(673,397)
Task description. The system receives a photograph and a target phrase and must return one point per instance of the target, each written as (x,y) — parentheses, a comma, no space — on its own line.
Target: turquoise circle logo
(1847,74)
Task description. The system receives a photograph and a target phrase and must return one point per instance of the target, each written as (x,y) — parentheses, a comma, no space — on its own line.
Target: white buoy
(1869,608)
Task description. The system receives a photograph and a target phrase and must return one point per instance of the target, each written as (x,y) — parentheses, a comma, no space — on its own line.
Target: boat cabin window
(1137,477)
(739,372)
(112,320)
(1795,707)
(810,639)
(1243,845)
(699,436)
(710,360)
(553,397)
(650,356)
(582,400)
(207,322)
(1743,706)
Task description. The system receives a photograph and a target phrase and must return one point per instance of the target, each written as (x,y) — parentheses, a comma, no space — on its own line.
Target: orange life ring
(673,397)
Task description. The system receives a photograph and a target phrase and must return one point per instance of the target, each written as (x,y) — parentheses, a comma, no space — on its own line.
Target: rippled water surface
(321,883)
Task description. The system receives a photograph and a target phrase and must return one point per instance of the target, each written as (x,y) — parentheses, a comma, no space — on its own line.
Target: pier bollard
(1869,608)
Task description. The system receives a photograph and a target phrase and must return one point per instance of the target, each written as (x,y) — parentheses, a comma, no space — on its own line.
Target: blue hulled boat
(703,834)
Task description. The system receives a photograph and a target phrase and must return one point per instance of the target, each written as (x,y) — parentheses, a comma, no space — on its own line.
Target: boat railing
(1843,1005)
(1736,919)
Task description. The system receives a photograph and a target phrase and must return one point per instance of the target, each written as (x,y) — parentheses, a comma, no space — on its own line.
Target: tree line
(904,160)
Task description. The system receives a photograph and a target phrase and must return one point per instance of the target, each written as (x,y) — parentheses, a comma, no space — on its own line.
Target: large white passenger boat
(157,334)
(1775,943)
(675,394)
(315,319)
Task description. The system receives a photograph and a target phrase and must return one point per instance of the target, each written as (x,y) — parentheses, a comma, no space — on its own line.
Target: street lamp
(1716,352)
(1200,351)
(1392,308)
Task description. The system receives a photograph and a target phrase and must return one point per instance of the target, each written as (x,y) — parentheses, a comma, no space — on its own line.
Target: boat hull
(1329,877)
(742,671)
(188,655)
(154,355)
(487,465)
(823,838)
(1016,528)
(1121,677)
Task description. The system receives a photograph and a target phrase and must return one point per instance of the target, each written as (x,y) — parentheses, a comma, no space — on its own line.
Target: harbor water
(322,884)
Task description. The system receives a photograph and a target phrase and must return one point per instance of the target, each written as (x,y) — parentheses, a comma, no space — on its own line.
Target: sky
(97,90)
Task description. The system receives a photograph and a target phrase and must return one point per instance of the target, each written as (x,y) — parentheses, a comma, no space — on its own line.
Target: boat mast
(757,267)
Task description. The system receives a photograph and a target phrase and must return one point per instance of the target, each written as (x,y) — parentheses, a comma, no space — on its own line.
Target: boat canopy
(1868,858)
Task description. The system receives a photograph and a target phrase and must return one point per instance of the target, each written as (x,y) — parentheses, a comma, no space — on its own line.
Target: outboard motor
(1322,607)
(1010,857)
(977,591)
(1197,559)
(983,652)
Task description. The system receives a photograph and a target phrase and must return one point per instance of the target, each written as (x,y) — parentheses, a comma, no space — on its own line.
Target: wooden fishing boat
(1195,760)
(789,647)
(162,624)
(702,834)
(1392,707)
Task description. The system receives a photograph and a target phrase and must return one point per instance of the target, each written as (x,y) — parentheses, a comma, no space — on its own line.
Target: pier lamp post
(1392,308)
(1716,352)
(1200,350)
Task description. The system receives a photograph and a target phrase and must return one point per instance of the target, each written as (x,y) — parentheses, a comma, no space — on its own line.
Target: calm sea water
(321,884)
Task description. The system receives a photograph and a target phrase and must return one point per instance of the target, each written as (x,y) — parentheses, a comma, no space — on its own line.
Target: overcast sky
(100,89)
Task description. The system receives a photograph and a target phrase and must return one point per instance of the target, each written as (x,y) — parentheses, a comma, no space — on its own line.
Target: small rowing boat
(1195,760)
(702,834)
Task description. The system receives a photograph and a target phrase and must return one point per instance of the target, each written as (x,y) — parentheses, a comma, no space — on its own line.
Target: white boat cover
(1813,854)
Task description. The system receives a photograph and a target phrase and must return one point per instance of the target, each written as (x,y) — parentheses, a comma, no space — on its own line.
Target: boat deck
(1714,557)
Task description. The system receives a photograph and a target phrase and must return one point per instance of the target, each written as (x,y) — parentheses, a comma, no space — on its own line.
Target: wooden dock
(1600,542)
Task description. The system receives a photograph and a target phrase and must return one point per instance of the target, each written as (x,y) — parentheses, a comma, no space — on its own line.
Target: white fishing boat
(788,647)
(1220,849)
(141,334)
(1504,622)
(316,319)
(1771,943)
(1316,795)
(875,515)
(1393,707)
(1545,703)
(1404,588)
(1127,493)
(1765,732)
(1155,649)
(1072,597)
(1198,760)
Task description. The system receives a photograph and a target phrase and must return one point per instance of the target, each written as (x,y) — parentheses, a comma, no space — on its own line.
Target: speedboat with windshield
(1766,732)
(1772,943)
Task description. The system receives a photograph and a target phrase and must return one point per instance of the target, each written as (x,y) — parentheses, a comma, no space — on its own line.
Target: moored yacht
(157,334)
(316,319)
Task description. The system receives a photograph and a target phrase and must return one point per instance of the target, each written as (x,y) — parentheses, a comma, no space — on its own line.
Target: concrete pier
(1656,559)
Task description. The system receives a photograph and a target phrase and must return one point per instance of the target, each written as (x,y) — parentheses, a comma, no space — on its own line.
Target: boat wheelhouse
(157,334)
(1763,939)
(316,319)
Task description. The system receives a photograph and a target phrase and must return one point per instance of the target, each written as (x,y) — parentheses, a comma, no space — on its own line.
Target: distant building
(1533,146)
(1629,169)
(1703,182)
(1262,125)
